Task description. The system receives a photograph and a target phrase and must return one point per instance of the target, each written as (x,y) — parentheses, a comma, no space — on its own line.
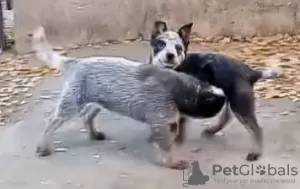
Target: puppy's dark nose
(170,56)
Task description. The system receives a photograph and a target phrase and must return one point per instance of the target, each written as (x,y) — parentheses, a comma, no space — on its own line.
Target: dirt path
(124,161)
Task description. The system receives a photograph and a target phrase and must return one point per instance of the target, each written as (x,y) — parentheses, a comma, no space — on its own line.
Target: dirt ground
(124,161)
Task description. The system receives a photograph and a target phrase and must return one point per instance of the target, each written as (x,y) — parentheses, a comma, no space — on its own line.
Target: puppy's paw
(44,149)
(209,132)
(253,156)
(97,136)
(179,165)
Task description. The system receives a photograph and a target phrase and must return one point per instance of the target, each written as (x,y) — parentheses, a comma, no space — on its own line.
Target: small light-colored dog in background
(234,77)
(146,93)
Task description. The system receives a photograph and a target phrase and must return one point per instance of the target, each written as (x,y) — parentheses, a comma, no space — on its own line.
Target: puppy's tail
(44,51)
(270,73)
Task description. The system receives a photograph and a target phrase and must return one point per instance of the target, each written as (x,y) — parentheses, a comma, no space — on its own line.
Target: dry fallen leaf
(16,80)
(271,93)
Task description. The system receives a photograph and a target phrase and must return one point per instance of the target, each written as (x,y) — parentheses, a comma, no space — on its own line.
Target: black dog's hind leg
(89,112)
(223,120)
(243,107)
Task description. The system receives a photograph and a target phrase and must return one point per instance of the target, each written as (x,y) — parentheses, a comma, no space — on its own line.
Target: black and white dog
(156,96)
(235,78)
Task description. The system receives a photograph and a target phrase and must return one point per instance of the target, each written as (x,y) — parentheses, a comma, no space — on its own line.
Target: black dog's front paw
(208,133)
(98,136)
(253,156)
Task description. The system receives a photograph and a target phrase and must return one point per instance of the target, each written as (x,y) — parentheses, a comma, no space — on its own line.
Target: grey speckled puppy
(156,96)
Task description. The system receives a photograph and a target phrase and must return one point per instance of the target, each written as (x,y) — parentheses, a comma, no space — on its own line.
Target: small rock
(127,41)
(284,113)
(61,149)
(226,40)
(290,149)
(196,150)
(58,48)
(45,97)
(75,47)
(265,116)
(122,148)
(79,185)
(206,123)
(238,38)
(14,102)
(208,39)
(46,182)
(56,142)
(23,102)
(285,156)
(219,134)
(197,40)
(97,156)
(83,130)
(96,46)
(28,95)
(104,43)
(63,52)
(123,175)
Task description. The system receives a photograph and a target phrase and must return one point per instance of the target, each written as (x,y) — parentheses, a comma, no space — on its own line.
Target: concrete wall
(81,21)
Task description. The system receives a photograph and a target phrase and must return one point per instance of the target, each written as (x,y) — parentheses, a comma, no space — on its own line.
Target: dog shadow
(129,137)
(123,135)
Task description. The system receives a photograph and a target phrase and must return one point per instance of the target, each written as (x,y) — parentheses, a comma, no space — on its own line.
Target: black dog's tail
(270,73)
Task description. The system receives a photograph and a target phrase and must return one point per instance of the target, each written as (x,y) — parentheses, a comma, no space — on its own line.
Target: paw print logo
(260,170)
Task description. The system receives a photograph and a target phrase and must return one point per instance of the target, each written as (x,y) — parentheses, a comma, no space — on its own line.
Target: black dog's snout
(170,56)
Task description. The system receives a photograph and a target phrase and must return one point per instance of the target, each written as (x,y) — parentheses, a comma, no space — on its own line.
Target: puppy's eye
(160,44)
(178,48)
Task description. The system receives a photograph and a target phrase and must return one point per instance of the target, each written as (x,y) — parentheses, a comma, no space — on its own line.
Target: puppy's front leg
(63,112)
(44,147)
(163,140)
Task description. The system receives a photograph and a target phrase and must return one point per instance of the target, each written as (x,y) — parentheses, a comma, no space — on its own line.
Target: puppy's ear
(158,28)
(185,32)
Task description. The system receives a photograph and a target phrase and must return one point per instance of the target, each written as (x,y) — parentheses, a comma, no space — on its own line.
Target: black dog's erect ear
(185,32)
(158,28)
